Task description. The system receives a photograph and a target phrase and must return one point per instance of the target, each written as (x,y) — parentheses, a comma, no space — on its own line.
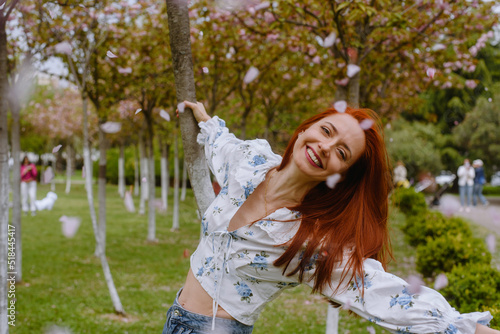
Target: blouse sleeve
(387,301)
(219,144)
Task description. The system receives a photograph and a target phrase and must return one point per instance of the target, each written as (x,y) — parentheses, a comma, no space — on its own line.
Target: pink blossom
(370,330)
(287,76)
(269,17)
(340,106)
(352,70)
(449,204)
(415,284)
(471,84)
(316,60)
(137,111)
(441,282)
(63,47)
(180,107)
(431,72)
(251,75)
(56,148)
(111,54)
(164,115)
(48,175)
(272,37)
(342,82)
(70,225)
(129,202)
(332,180)
(126,70)
(111,127)
(473,50)
(366,123)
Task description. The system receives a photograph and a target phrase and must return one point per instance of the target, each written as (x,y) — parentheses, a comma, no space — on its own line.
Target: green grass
(63,282)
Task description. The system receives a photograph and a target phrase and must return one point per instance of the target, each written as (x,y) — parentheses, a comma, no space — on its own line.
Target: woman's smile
(313,158)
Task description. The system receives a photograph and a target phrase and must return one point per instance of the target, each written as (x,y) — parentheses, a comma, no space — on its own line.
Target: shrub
(473,287)
(409,202)
(490,190)
(443,253)
(495,312)
(432,224)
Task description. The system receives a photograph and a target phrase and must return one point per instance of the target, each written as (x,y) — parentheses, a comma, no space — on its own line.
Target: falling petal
(431,72)
(56,149)
(205,70)
(70,225)
(262,5)
(111,54)
(111,127)
(370,330)
(307,302)
(165,115)
(347,305)
(491,243)
(441,282)
(181,106)
(48,175)
(51,13)
(251,75)
(415,284)
(126,70)
(332,180)
(185,254)
(317,60)
(319,40)
(438,47)
(352,70)
(330,40)
(340,106)
(138,111)
(3,5)
(449,205)
(64,48)
(366,123)
(129,202)
(342,82)
(144,180)
(81,5)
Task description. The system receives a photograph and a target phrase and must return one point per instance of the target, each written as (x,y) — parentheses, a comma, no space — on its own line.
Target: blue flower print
(204,225)
(375,320)
(365,283)
(200,272)
(223,190)
(257,160)
(236,201)
(260,261)
(249,188)
(222,123)
(218,134)
(451,329)
(405,300)
(244,291)
(434,313)
(402,330)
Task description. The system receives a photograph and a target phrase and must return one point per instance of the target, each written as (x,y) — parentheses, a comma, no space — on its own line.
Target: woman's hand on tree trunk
(198,109)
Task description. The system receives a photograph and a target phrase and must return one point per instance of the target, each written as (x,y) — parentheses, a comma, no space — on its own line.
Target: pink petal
(438,47)
(320,40)
(431,72)
(48,175)
(111,127)
(262,5)
(251,75)
(181,106)
(81,5)
(330,40)
(340,106)
(317,60)
(165,115)
(56,149)
(64,48)
(441,282)
(347,305)
(342,82)
(70,225)
(449,205)
(129,202)
(205,70)
(415,284)
(144,179)
(111,54)
(366,123)
(51,13)
(332,180)
(307,302)
(3,5)
(471,84)
(370,330)
(287,76)
(126,70)
(138,111)
(352,70)
(491,243)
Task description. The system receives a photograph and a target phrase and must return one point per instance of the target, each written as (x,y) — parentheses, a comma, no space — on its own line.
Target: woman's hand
(480,329)
(198,109)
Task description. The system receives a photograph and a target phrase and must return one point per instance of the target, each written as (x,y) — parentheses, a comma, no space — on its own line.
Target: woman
(28,186)
(479,181)
(276,224)
(466,176)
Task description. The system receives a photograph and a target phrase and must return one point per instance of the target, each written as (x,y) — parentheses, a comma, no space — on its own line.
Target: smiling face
(329,146)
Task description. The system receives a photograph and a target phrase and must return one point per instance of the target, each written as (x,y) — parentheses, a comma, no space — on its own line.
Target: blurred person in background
(28,186)
(479,181)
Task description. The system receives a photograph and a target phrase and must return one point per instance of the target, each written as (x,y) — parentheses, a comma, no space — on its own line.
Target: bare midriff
(195,299)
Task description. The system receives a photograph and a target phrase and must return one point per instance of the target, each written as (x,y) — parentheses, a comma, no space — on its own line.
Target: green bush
(431,225)
(473,287)
(409,202)
(495,312)
(443,253)
(490,190)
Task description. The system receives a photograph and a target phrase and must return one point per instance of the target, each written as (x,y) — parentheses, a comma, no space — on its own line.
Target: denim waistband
(203,323)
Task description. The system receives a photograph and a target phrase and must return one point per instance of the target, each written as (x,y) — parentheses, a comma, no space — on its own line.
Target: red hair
(351,217)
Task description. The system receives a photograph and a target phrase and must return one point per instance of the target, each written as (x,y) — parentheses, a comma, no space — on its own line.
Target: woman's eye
(326,130)
(342,154)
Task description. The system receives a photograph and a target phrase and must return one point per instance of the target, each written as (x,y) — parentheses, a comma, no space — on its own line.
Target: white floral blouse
(236,268)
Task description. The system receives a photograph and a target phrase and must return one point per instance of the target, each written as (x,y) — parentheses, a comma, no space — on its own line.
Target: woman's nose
(326,147)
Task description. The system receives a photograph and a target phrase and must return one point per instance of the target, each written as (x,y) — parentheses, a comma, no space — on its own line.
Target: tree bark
(121,171)
(144,174)
(16,187)
(4,178)
(332,320)
(101,187)
(353,91)
(69,165)
(165,184)
(184,180)
(100,250)
(175,223)
(180,44)
(136,172)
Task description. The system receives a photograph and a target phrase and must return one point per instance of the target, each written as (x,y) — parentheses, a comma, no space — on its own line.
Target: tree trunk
(4,182)
(340,93)
(175,224)
(16,187)
(151,184)
(101,253)
(332,320)
(353,91)
(69,165)
(121,171)
(165,184)
(184,180)
(144,174)
(180,44)
(136,172)
(101,187)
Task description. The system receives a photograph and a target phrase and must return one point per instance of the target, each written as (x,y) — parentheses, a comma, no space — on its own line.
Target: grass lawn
(63,282)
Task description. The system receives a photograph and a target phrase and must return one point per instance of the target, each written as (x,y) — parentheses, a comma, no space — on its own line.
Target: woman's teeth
(313,157)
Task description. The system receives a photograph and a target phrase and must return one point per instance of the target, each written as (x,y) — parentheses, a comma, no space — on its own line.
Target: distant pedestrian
(28,186)
(465,185)
(400,174)
(479,181)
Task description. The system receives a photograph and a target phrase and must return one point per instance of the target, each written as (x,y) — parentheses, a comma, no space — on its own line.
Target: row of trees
(385,55)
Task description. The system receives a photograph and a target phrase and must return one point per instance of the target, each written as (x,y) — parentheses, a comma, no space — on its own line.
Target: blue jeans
(478,192)
(465,192)
(182,321)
